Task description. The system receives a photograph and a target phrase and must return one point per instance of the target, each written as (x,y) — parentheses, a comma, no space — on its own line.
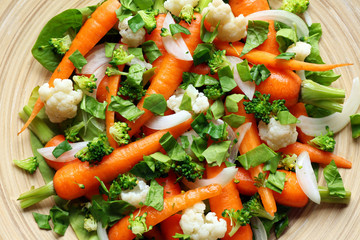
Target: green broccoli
(119,131)
(60,45)
(90,223)
(187,13)
(288,162)
(165,32)
(148,16)
(322,96)
(188,169)
(138,224)
(159,6)
(86,84)
(72,133)
(262,108)
(112,71)
(256,209)
(29,164)
(295,6)
(213,92)
(95,150)
(120,56)
(324,142)
(122,182)
(132,92)
(217,61)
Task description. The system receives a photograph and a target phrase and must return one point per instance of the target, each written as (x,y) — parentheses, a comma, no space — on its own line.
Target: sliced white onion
(307,18)
(242,130)
(100,73)
(337,121)
(248,88)
(164,122)
(140,62)
(95,58)
(223,178)
(285,17)
(175,45)
(66,156)
(306,177)
(258,229)
(101,232)
(301,74)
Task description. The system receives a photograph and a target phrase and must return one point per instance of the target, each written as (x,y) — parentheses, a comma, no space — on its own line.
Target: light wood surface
(21,22)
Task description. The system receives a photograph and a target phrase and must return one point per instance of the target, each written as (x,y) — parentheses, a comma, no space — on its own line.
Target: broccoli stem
(203,4)
(159,5)
(327,198)
(34,196)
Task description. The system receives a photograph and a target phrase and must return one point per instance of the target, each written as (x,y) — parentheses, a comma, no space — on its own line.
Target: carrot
(268,59)
(172,205)
(102,89)
(203,69)
(169,75)
(154,234)
(228,199)
(121,160)
(297,110)
(316,155)
(171,187)
(244,183)
(100,22)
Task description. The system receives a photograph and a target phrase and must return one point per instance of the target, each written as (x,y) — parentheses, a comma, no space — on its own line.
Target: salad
(184,119)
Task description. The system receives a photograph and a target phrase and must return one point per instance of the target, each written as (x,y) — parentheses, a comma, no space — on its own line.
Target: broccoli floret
(112,71)
(72,133)
(237,219)
(322,96)
(90,223)
(217,61)
(256,209)
(148,17)
(159,6)
(165,32)
(324,142)
(61,45)
(213,92)
(187,13)
(86,84)
(132,92)
(262,108)
(119,131)
(288,162)
(127,181)
(120,56)
(188,169)
(138,224)
(95,150)
(29,164)
(295,6)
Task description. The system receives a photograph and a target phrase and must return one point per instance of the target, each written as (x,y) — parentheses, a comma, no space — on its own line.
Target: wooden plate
(20,24)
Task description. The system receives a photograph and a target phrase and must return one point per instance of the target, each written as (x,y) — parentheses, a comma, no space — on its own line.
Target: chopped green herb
(155,103)
(78,60)
(125,108)
(61,148)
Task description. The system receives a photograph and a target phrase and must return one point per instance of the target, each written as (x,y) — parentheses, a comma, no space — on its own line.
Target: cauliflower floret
(60,101)
(276,135)
(128,36)
(136,195)
(301,49)
(231,28)
(175,6)
(199,101)
(200,227)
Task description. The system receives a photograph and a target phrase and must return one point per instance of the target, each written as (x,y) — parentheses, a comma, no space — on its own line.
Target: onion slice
(306,177)
(242,130)
(336,121)
(66,156)
(248,88)
(307,18)
(164,122)
(223,178)
(95,59)
(258,229)
(175,45)
(101,232)
(285,17)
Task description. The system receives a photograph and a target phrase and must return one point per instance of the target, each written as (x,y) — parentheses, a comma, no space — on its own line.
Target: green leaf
(137,52)
(186,103)
(272,164)
(109,49)
(197,80)
(217,153)
(286,118)
(244,71)
(60,219)
(125,108)
(285,37)
(92,106)
(334,180)
(143,170)
(177,28)
(281,226)
(172,147)
(323,78)
(78,60)
(144,4)
(61,148)
(136,23)
(276,181)
(129,4)
(226,78)
(201,126)
(198,146)
(203,53)
(257,33)
(122,13)
(286,55)
(355,125)
(151,50)
(76,217)
(280,215)
(234,120)
(155,197)
(205,35)
(217,108)
(42,220)
(259,73)
(185,143)
(155,103)
(232,101)
(256,156)
(158,156)
(135,76)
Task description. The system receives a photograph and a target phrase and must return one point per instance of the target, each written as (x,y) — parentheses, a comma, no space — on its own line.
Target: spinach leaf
(257,34)
(42,220)
(125,108)
(285,37)
(155,197)
(151,50)
(334,180)
(60,219)
(61,148)
(78,60)
(155,103)
(92,106)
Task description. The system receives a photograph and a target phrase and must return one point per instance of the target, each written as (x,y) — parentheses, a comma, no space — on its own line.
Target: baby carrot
(121,160)
(101,91)
(172,205)
(244,183)
(297,110)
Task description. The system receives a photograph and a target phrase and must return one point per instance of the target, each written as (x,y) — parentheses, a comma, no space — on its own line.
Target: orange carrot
(101,91)
(169,75)
(316,155)
(121,160)
(203,69)
(228,199)
(154,234)
(100,22)
(268,59)
(297,110)
(244,183)
(172,205)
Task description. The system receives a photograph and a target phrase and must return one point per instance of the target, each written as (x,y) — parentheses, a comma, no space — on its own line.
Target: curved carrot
(316,155)
(170,73)
(244,183)
(121,160)
(100,22)
(228,199)
(172,205)
(101,91)
(203,69)
(268,59)
(297,110)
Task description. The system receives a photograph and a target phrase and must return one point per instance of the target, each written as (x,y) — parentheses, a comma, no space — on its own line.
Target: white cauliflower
(128,36)
(301,49)
(136,195)
(231,28)
(60,101)
(199,101)
(175,6)
(193,222)
(276,135)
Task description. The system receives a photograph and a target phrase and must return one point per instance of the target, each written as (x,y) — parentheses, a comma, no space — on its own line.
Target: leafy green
(198,146)
(217,109)
(77,216)
(109,49)
(286,55)
(234,120)
(280,216)
(78,60)
(285,118)
(202,127)
(172,147)
(259,73)
(125,108)
(244,71)
(334,180)
(60,219)
(186,103)
(155,103)
(144,4)
(177,28)
(155,197)
(92,106)
(151,50)
(276,181)
(285,37)
(205,35)
(257,33)
(137,52)
(61,148)
(42,220)
(226,78)
(217,153)
(272,164)
(202,53)
(256,156)
(136,22)
(232,101)
(355,125)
